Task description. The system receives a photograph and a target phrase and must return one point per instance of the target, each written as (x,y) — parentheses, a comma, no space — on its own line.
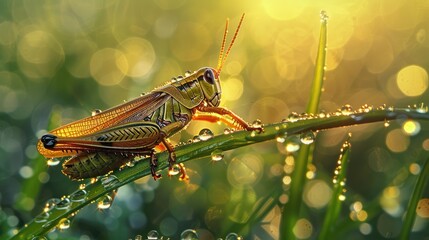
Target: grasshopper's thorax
(200,87)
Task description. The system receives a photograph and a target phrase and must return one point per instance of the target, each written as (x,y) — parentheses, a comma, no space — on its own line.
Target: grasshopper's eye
(209,76)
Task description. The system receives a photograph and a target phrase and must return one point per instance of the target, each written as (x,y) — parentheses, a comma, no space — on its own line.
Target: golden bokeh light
(412,80)
(411,127)
(108,66)
(397,141)
(317,194)
(140,56)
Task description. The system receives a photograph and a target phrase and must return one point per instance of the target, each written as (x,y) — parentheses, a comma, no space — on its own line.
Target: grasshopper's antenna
(222,57)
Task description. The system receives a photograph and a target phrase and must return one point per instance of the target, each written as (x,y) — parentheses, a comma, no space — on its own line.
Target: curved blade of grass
(205,148)
(412,205)
(292,207)
(334,208)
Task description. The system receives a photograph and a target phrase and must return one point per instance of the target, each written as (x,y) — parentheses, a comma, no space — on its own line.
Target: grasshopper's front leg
(225,112)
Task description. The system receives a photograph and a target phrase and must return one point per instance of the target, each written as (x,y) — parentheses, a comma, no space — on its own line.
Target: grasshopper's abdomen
(89,165)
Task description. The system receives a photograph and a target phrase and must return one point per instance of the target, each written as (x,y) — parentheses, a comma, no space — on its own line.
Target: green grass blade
(412,205)
(334,207)
(292,207)
(205,148)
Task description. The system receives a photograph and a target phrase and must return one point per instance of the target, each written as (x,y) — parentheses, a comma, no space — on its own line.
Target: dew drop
(138,237)
(63,204)
(82,186)
(53,161)
(64,224)
(110,181)
(153,235)
(346,110)
(205,134)
(50,204)
(95,112)
(188,73)
(386,123)
(174,170)
(422,108)
(105,202)
(307,137)
(195,139)
(189,234)
(43,217)
(217,155)
(78,196)
(293,117)
(323,16)
(257,123)
(233,236)
(281,139)
(227,131)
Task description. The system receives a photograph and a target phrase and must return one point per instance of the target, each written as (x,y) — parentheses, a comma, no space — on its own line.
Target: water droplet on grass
(307,137)
(105,202)
(205,134)
(257,123)
(50,204)
(53,161)
(189,234)
(64,224)
(153,235)
(217,155)
(95,112)
(174,170)
(110,181)
(63,204)
(78,196)
(233,236)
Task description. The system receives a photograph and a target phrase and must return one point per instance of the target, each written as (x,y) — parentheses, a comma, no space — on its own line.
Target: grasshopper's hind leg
(173,127)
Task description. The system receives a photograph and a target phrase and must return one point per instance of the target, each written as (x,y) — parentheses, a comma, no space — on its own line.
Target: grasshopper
(109,139)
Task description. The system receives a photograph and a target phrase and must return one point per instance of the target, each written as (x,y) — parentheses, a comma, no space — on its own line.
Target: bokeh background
(71,57)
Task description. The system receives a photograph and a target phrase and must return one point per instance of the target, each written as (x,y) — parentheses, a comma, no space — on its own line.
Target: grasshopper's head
(209,77)
(210,84)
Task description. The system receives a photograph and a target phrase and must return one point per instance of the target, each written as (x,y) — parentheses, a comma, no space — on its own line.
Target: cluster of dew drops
(188,234)
(65,203)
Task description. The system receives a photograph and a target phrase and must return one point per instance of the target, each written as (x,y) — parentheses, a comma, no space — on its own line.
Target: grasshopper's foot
(153,166)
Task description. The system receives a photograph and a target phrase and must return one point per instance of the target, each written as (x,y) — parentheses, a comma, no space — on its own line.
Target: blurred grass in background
(77,56)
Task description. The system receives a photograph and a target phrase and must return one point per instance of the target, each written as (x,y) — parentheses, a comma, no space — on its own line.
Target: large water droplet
(63,204)
(293,117)
(64,224)
(307,137)
(189,234)
(217,155)
(105,202)
(233,236)
(43,217)
(174,170)
(95,112)
(50,204)
(257,123)
(153,235)
(78,196)
(53,161)
(346,110)
(205,134)
(110,181)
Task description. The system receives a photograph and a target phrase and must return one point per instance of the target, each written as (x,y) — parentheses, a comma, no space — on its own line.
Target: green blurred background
(71,57)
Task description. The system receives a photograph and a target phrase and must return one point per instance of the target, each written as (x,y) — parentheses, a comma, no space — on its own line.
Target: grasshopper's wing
(132,111)
(84,132)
